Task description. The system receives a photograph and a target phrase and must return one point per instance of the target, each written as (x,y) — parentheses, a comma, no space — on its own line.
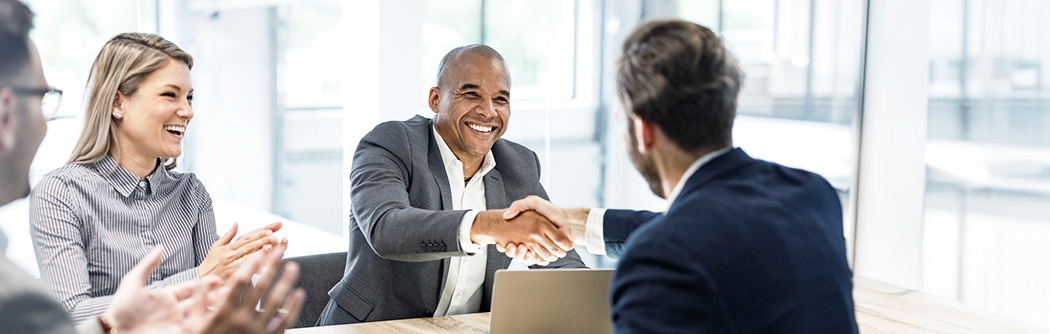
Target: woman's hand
(236,307)
(224,257)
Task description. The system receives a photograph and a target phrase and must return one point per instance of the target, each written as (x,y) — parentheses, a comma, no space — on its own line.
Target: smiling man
(421,229)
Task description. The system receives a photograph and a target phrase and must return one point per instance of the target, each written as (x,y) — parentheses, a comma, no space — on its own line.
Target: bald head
(473,53)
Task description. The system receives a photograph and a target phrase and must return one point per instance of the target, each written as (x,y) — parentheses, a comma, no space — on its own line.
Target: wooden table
(880,308)
(456,324)
(883,308)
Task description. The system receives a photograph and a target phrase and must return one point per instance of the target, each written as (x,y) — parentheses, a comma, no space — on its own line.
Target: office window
(536,38)
(309,151)
(988,157)
(802,64)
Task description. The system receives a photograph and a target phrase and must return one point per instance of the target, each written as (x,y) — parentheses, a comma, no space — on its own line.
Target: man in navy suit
(747,246)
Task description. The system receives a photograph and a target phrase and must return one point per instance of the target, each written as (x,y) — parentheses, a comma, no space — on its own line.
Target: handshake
(531,230)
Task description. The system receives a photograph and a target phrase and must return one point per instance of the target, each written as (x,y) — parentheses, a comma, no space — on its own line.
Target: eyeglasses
(51,98)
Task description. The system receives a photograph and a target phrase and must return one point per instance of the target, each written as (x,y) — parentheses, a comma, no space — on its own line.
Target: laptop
(551,301)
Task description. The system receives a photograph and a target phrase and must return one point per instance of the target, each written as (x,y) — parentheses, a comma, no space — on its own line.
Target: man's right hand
(528,229)
(571,221)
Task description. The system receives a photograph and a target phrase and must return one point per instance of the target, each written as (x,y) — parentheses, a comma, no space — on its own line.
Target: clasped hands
(227,255)
(531,230)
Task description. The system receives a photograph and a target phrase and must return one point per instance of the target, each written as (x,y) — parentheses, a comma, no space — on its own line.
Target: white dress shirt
(466,274)
(595,228)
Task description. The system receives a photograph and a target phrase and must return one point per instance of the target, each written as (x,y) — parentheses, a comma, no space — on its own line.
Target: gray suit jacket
(26,306)
(403,230)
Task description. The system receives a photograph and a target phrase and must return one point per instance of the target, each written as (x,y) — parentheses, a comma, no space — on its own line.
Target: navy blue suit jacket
(748,246)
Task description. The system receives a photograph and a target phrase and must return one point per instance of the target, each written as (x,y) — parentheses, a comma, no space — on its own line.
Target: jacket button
(427,313)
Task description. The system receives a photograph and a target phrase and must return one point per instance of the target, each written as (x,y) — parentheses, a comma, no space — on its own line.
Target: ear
(118,104)
(643,133)
(7,119)
(434,99)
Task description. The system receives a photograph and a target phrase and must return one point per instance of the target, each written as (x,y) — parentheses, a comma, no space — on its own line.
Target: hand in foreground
(528,229)
(224,257)
(571,222)
(137,310)
(224,310)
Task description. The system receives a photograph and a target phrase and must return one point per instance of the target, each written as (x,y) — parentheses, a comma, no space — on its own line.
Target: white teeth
(175,128)
(480,128)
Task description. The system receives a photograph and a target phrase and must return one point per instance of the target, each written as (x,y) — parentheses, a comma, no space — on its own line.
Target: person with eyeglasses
(50,98)
(118,196)
(197,306)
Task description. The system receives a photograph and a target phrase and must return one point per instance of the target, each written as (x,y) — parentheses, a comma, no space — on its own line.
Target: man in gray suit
(25,304)
(423,231)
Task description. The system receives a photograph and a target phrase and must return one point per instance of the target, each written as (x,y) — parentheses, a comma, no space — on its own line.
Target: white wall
(233,77)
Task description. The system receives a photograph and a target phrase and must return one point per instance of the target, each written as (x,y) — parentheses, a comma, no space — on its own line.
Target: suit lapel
(495,198)
(437,169)
(495,193)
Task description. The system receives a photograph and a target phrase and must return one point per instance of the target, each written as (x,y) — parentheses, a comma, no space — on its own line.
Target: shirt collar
(692,170)
(124,181)
(451,161)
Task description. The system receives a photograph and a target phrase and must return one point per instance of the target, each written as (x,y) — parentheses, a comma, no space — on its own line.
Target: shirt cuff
(595,235)
(464,233)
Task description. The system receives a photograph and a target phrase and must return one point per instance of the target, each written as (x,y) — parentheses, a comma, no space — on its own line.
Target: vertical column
(891,178)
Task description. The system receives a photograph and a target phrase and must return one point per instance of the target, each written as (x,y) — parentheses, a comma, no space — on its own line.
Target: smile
(480,128)
(177,130)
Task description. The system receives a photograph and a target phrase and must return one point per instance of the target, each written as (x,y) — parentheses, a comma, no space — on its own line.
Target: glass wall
(802,61)
(802,66)
(988,156)
(309,152)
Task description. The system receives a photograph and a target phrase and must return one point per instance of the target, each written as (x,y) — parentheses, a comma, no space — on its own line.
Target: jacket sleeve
(379,196)
(619,224)
(33,313)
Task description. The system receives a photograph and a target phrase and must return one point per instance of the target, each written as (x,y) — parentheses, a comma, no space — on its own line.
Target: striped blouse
(91,223)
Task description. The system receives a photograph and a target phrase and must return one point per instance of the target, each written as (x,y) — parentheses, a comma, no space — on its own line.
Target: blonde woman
(117,198)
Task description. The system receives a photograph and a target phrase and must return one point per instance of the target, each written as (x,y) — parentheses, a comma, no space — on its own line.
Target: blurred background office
(284,89)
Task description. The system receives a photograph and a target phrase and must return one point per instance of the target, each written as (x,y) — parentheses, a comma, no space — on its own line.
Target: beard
(643,164)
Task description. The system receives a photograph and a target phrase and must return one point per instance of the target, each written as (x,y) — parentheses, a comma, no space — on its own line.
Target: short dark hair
(15,22)
(482,49)
(680,76)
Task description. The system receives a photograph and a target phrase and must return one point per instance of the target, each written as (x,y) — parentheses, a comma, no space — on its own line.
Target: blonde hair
(122,65)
